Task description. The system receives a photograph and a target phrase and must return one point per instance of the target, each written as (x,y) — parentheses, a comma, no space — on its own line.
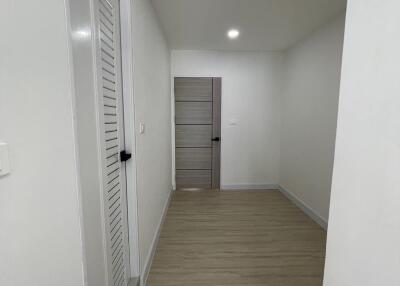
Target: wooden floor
(237,238)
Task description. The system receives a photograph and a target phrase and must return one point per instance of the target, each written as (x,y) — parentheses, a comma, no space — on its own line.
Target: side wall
(364,228)
(152,107)
(309,113)
(39,209)
(250,111)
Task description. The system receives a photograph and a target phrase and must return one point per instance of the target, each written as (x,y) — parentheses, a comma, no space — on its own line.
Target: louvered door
(111,118)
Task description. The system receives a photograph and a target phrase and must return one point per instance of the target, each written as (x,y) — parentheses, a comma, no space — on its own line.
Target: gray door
(197,132)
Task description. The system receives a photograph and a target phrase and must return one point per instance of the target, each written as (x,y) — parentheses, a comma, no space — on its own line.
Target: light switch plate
(142,128)
(4,159)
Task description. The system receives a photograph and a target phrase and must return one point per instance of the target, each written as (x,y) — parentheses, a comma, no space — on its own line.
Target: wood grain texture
(193,112)
(248,238)
(193,158)
(193,89)
(186,179)
(193,135)
(216,132)
(198,120)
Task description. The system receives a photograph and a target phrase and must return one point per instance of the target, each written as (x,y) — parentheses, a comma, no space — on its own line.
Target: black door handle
(216,139)
(125,156)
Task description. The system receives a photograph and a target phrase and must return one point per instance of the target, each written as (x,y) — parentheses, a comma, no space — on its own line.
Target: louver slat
(108,47)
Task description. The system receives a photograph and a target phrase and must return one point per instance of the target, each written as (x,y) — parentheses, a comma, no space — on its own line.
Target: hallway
(237,238)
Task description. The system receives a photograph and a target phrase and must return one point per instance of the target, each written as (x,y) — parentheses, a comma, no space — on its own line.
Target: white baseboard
(154,243)
(244,187)
(304,207)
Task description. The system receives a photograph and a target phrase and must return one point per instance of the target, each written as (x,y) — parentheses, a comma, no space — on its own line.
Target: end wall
(309,113)
(251,83)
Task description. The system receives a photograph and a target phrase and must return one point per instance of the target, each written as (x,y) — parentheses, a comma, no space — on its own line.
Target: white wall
(310,94)
(364,231)
(251,98)
(39,210)
(152,107)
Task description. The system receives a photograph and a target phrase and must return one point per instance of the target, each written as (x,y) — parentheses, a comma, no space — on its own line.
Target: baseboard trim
(304,207)
(249,187)
(150,256)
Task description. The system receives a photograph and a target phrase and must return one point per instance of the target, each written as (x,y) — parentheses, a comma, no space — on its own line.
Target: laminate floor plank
(226,238)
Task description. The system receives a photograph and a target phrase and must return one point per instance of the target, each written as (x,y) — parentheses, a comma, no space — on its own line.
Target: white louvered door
(111,118)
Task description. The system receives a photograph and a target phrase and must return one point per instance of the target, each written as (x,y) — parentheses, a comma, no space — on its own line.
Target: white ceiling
(265,25)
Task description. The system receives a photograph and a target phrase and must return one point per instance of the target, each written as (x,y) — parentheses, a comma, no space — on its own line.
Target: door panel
(193,135)
(193,179)
(197,122)
(193,89)
(193,158)
(193,112)
(216,131)
(111,115)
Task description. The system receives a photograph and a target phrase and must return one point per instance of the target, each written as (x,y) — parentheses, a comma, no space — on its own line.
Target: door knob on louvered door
(125,156)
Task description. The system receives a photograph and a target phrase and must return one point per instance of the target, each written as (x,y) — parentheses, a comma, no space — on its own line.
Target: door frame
(130,133)
(218,79)
(216,132)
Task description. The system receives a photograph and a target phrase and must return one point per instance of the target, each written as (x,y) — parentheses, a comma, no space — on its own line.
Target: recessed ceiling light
(233,33)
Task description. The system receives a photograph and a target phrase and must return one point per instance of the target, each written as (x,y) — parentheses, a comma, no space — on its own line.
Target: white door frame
(130,139)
